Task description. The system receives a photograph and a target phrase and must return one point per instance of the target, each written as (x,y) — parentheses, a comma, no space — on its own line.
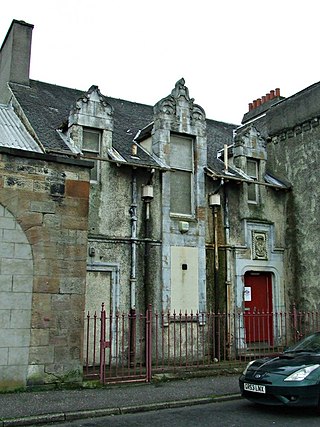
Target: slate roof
(12,132)
(47,108)
(218,134)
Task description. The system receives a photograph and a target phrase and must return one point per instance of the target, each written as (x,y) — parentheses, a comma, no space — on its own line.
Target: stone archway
(16,284)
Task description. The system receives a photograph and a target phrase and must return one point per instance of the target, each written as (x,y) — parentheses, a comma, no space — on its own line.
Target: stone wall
(43,223)
(295,155)
(293,131)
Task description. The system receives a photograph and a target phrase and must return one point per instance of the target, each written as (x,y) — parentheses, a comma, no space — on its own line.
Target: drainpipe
(228,249)
(228,262)
(133,213)
(147,197)
(133,279)
(214,203)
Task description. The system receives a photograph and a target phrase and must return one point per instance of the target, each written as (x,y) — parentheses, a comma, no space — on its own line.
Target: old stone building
(290,128)
(43,240)
(109,201)
(44,201)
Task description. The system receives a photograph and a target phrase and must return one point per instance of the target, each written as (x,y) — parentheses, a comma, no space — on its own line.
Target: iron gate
(118,346)
(132,347)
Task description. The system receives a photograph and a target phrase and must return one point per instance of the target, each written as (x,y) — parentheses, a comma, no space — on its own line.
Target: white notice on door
(247,293)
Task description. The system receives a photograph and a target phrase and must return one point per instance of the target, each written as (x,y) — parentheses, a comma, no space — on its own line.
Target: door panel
(258,307)
(98,291)
(184,279)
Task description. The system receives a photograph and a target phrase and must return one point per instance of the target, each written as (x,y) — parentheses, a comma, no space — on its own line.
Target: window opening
(253,173)
(91,141)
(181,175)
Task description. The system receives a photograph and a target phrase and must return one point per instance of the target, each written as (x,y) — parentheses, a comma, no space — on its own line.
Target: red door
(258,320)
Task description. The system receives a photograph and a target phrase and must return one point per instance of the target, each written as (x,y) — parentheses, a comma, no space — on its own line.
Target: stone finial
(86,112)
(179,100)
(180,90)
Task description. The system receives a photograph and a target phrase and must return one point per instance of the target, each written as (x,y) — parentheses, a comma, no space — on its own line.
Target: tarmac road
(230,413)
(45,407)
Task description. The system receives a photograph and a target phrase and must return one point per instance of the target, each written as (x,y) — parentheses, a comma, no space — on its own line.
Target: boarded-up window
(91,148)
(181,176)
(180,192)
(98,291)
(184,279)
(252,171)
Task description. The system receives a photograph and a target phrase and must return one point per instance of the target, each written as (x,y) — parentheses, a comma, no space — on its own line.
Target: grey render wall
(116,207)
(292,130)
(119,189)
(294,153)
(237,221)
(268,217)
(110,233)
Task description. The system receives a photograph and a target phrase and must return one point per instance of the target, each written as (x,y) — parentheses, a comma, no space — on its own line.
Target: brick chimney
(15,55)
(261,105)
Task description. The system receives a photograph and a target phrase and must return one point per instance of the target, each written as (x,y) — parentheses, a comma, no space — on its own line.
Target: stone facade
(177,114)
(43,222)
(129,205)
(291,129)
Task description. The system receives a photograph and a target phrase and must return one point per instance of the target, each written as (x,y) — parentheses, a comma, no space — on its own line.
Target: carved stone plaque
(259,245)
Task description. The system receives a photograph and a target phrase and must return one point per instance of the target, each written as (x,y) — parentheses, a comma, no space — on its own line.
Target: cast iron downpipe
(216,278)
(147,255)
(133,278)
(147,197)
(215,203)
(227,243)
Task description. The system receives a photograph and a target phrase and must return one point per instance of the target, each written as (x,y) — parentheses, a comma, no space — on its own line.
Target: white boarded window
(181,175)
(184,279)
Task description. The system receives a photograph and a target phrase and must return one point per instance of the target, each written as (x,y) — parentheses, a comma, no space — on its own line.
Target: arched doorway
(258,317)
(16,284)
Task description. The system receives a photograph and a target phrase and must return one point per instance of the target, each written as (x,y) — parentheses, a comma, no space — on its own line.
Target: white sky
(229,52)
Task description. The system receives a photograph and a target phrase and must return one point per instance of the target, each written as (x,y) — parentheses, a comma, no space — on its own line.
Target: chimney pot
(258,102)
(250,106)
(277,92)
(255,103)
(268,97)
(271,94)
(263,100)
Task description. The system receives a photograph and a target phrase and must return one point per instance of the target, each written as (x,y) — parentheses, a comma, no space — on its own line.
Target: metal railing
(133,347)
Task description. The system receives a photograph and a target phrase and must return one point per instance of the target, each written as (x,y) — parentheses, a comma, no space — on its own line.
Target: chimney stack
(265,98)
(15,56)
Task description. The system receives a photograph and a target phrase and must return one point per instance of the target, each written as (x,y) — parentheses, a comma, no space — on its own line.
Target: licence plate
(256,388)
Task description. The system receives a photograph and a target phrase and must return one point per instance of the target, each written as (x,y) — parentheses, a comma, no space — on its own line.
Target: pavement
(31,408)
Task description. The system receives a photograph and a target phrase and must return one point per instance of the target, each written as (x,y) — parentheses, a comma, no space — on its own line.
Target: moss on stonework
(68,379)
(10,386)
(257,211)
(74,376)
